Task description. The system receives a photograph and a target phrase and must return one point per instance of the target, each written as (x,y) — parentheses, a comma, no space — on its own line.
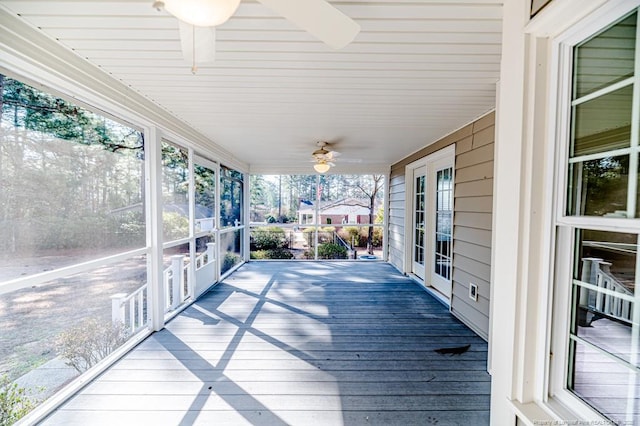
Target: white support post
(507,209)
(177,280)
(191,272)
(117,308)
(246,216)
(153,180)
(217,222)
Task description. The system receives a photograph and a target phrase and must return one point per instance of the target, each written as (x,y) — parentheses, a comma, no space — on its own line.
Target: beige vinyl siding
(473,202)
(473,205)
(396,239)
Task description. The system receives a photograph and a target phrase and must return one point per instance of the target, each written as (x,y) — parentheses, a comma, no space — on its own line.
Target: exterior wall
(472,216)
(473,200)
(395,239)
(335,219)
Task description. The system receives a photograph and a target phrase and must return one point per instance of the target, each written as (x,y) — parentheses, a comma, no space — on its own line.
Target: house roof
(342,206)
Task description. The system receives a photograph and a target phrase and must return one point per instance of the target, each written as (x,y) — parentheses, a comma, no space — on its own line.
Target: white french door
(432,219)
(419,199)
(441,230)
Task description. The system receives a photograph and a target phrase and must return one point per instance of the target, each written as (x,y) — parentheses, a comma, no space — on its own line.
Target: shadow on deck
(298,343)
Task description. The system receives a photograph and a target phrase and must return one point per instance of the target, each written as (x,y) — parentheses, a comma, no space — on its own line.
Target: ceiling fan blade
(333,154)
(318,18)
(198,40)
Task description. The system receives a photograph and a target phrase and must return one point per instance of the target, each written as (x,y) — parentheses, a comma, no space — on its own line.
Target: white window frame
(561,261)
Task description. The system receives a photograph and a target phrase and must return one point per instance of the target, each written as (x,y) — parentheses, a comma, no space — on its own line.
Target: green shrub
(358,236)
(174,225)
(377,237)
(267,238)
(279,253)
(229,261)
(89,342)
(331,251)
(14,403)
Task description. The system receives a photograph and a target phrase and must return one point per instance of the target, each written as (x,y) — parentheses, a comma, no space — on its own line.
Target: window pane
(64,316)
(71,183)
(175,192)
(606,385)
(231,198)
(602,124)
(606,58)
(603,301)
(599,187)
(230,248)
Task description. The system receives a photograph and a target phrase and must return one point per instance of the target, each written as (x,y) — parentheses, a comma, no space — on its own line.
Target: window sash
(565,225)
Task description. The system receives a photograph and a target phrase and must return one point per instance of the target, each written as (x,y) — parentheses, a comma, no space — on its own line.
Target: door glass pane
(175,192)
(606,58)
(205,196)
(599,187)
(231,198)
(443,229)
(418,255)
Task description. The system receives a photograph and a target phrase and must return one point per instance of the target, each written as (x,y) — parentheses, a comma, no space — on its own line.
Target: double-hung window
(596,365)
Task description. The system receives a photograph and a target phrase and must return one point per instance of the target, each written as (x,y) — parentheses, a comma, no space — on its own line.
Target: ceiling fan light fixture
(321,167)
(201,13)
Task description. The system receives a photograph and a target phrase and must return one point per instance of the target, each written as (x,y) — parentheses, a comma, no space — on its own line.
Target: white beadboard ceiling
(418,70)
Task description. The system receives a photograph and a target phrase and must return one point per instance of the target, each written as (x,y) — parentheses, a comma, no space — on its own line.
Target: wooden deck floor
(298,343)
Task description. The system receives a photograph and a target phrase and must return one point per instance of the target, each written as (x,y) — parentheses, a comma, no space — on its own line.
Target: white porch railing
(131,309)
(208,256)
(607,299)
(176,280)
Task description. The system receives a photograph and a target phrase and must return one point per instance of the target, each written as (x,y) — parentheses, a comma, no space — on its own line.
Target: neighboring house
(341,212)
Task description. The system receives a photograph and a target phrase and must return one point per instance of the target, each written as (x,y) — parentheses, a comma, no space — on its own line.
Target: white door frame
(418,268)
(430,164)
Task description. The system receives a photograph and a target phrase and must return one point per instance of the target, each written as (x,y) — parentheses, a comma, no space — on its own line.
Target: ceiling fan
(323,157)
(198,19)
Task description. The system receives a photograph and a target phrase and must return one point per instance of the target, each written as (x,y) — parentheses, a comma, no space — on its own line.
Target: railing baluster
(132,314)
(124,307)
(177,282)
(140,309)
(167,279)
(117,308)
